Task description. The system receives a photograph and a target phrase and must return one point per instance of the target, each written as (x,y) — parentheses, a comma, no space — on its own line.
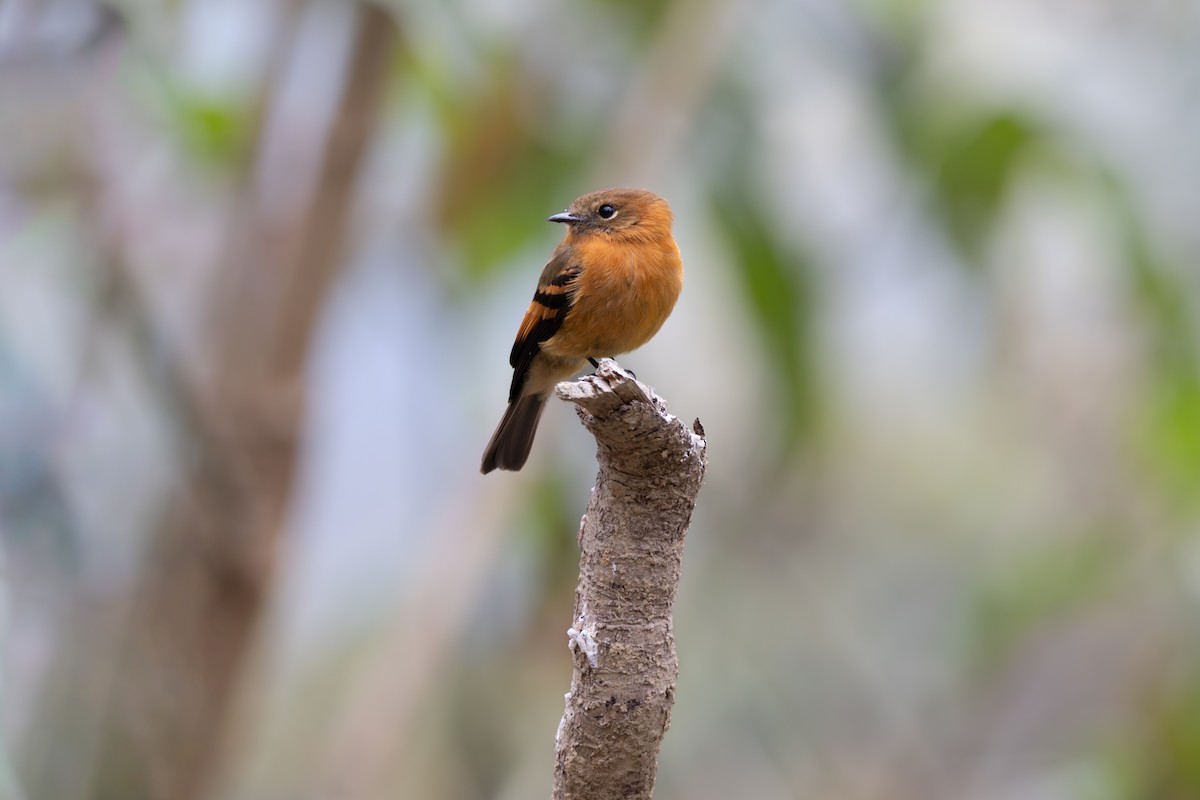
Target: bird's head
(625,214)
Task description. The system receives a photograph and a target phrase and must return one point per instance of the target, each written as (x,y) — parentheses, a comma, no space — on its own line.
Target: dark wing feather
(550,306)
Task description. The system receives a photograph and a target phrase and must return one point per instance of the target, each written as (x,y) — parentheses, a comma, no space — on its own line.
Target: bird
(608,287)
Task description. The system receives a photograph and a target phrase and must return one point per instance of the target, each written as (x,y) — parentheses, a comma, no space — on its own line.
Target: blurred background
(260,269)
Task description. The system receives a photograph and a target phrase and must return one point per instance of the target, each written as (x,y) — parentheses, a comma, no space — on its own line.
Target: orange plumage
(607,289)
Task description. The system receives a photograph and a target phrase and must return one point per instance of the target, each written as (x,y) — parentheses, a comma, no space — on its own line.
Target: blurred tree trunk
(208,575)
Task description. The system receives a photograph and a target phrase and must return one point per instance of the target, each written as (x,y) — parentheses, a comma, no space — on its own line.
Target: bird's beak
(565,216)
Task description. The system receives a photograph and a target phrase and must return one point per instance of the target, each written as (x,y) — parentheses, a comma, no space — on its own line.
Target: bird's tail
(513,438)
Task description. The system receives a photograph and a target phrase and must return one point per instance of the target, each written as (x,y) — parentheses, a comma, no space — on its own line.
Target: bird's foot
(596,365)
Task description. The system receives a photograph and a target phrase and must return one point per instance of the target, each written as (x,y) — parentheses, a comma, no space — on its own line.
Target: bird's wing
(550,306)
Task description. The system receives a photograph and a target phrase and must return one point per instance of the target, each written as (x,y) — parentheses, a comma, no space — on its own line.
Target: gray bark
(631,550)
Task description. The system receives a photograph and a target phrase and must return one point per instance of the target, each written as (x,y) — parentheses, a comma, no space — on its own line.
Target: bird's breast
(623,295)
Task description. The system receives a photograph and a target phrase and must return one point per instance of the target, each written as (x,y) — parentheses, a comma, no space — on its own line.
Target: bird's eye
(606,211)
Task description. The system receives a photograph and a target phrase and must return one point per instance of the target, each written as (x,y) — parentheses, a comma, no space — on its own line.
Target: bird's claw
(596,365)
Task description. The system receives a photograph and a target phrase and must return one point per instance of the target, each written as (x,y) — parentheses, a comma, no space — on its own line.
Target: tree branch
(631,549)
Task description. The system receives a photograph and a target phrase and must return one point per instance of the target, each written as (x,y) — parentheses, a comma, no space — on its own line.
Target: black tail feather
(510,444)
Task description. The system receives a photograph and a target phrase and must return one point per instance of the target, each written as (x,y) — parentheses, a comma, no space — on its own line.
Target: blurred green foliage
(1034,589)
(970,158)
(214,130)
(777,283)
(496,173)
(640,18)
(777,278)
(1168,433)
(1158,758)
(1170,764)
(551,526)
